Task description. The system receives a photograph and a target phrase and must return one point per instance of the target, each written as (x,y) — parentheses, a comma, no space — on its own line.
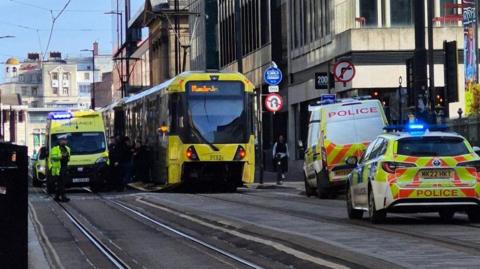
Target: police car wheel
(446,214)
(309,191)
(376,216)
(322,179)
(474,215)
(352,212)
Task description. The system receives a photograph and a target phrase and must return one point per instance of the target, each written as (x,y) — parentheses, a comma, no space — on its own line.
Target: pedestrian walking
(141,162)
(59,157)
(280,157)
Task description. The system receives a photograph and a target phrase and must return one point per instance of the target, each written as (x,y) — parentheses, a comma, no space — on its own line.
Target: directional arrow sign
(273,102)
(344,71)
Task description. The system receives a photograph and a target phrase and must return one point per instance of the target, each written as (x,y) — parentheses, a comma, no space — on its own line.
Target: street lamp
(121,26)
(92,93)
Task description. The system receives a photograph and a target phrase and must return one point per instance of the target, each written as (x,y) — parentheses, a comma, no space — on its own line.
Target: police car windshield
(432,146)
(83,143)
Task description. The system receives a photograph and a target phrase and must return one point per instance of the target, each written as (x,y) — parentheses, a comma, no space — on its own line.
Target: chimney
(33,56)
(55,56)
(95,48)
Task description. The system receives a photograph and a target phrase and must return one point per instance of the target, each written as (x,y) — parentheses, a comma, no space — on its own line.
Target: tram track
(313,203)
(102,248)
(471,248)
(73,216)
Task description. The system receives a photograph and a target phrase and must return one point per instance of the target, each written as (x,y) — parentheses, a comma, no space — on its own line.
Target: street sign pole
(260,132)
(273,102)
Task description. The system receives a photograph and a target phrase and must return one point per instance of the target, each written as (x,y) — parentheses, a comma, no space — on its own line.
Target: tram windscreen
(83,143)
(216,110)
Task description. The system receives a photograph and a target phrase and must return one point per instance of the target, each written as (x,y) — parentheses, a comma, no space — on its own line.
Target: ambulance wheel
(352,212)
(322,180)
(446,215)
(376,216)
(309,191)
(36,182)
(474,215)
(96,187)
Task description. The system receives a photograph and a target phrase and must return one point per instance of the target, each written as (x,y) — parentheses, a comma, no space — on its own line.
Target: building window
(14,69)
(86,76)
(64,91)
(310,21)
(20,116)
(7,69)
(21,78)
(55,90)
(55,76)
(65,76)
(401,12)
(34,91)
(368,10)
(24,91)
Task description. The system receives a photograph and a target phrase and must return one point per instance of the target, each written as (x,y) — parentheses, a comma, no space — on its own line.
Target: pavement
(36,257)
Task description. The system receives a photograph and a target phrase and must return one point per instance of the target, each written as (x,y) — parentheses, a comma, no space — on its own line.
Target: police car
(414,169)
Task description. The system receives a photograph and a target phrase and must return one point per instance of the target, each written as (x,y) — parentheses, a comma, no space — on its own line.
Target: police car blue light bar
(415,128)
(63,115)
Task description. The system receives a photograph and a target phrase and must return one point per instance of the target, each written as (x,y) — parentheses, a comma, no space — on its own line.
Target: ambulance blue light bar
(60,115)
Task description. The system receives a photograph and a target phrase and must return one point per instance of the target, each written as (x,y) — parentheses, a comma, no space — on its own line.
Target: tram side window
(176,115)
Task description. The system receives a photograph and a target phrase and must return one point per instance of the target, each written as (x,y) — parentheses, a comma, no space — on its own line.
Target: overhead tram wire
(54,20)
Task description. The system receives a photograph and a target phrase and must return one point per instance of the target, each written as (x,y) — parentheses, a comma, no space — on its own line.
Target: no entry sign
(273,102)
(344,71)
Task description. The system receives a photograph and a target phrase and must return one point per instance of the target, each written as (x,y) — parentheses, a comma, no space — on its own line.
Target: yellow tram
(198,126)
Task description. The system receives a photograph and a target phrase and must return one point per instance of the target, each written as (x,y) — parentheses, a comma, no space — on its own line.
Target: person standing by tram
(126,165)
(59,157)
(114,156)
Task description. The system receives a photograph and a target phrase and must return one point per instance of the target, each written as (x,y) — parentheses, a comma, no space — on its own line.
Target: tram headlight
(191,154)
(240,154)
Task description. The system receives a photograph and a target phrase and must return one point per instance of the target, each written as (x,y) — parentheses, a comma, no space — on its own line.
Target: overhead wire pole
(176,28)
(431,66)
(127,47)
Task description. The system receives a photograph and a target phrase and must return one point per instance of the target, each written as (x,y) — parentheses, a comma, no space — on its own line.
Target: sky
(82,23)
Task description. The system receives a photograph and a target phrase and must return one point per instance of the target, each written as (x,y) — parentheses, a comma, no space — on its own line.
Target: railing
(468,127)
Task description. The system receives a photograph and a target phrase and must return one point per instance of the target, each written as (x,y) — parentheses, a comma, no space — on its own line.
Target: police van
(337,131)
(85,133)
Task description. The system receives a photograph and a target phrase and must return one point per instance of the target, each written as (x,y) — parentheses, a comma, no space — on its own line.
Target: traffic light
(451,71)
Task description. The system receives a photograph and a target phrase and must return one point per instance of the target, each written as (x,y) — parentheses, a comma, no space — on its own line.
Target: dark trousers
(61,179)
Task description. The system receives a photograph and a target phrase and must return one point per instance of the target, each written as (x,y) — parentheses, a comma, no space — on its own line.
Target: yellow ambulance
(85,132)
(337,131)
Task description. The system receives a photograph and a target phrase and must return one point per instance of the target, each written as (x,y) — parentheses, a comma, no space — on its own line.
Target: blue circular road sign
(272,76)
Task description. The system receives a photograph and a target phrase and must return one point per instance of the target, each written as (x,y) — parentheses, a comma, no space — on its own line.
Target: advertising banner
(472,101)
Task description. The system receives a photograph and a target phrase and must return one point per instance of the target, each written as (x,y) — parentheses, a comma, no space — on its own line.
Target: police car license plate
(81,180)
(436,173)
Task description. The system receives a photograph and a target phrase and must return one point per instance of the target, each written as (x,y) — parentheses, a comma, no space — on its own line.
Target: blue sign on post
(328,98)
(273,75)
